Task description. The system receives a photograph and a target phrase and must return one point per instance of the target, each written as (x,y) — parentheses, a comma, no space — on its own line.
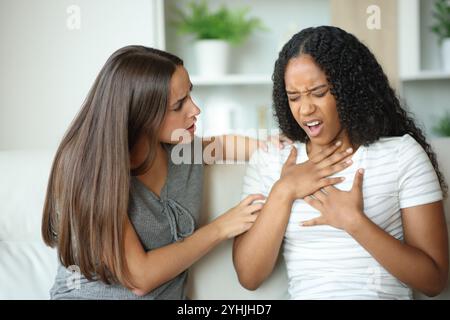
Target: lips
(313,127)
(191,129)
(193,125)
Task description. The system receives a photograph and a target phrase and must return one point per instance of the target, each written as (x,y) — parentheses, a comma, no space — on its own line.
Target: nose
(193,109)
(307,107)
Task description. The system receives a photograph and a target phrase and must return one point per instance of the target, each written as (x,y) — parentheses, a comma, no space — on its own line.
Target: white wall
(46,68)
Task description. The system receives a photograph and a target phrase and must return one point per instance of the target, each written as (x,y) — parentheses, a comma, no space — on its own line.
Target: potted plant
(215,31)
(443,127)
(441,28)
(441,142)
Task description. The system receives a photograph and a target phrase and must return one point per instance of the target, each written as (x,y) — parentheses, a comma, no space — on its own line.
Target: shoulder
(396,145)
(406,153)
(393,142)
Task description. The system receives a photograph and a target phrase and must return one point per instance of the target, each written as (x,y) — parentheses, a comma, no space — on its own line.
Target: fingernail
(361,171)
(302,223)
(349,150)
(349,161)
(338,143)
(342,178)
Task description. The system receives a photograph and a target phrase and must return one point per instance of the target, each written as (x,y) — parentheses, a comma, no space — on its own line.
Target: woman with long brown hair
(118,208)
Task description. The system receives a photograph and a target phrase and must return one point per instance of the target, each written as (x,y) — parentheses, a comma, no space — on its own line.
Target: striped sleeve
(253,180)
(417,181)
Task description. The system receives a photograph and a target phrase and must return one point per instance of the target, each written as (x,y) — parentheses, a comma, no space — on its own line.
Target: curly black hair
(368,107)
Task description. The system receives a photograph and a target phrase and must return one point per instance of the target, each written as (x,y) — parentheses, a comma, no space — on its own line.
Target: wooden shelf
(427,75)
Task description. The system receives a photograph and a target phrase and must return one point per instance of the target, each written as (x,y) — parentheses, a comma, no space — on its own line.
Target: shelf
(427,75)
(232,79)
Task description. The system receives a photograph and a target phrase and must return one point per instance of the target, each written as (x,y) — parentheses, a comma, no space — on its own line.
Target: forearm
(228,147)
(410,265)
(256,251)
(151,269)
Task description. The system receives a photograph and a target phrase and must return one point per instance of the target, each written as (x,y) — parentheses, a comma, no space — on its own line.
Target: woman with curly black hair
(376,239)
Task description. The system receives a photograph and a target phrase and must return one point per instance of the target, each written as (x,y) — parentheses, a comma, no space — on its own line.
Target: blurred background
(51,51)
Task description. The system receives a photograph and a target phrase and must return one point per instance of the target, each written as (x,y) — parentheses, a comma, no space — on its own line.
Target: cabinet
(424,86)
(240,102)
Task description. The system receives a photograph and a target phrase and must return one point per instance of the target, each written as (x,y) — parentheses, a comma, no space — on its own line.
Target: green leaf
(443,127)
(441,15)
(230,25)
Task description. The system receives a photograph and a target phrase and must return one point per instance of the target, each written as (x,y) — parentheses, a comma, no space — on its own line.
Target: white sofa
(27,266)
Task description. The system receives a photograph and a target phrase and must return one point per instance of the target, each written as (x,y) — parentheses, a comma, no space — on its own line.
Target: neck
(140,152)
(313,148)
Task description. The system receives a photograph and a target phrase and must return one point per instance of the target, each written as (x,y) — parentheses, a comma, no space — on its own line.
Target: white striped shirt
(327,263)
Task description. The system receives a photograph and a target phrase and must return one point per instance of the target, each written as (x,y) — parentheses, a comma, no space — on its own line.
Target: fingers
(330,170)
(358,181)
(292,158)
(313,202)
(246,224)
(254,208)
(325,153)
(330,181)
(320,195)
(245,227)
(329,189)
(335,158)
(251,218)
(249,199)
(313,222)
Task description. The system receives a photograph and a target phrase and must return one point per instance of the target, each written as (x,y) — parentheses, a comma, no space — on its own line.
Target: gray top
(158,222)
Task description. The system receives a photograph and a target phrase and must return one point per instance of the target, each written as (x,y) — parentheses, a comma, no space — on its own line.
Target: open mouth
(191,128)
(314,127)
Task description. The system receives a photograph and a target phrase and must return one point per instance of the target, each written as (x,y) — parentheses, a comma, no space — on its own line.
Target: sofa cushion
(27,266)
(27,270)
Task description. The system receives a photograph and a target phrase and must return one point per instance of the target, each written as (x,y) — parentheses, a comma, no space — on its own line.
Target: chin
(180,136)
(185,139)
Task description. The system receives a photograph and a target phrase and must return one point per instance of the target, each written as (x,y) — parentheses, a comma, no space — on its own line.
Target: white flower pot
(445,50)
(212,57)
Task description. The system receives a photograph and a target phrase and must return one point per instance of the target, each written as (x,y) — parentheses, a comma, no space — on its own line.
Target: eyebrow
(180,100)
(313,89)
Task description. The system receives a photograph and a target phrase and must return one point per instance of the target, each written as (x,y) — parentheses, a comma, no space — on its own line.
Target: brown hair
(88,189)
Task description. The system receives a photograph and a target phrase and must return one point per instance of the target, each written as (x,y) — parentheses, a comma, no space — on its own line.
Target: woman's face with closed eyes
(311,102)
